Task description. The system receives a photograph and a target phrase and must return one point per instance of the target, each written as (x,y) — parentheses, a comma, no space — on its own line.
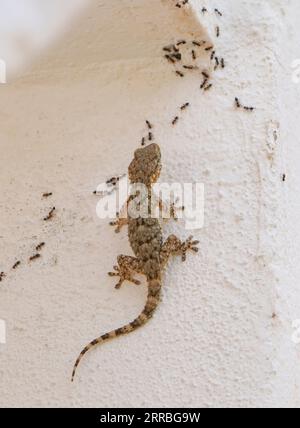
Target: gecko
(146,241)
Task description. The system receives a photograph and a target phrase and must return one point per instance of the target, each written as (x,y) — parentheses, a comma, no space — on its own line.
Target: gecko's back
(145,237)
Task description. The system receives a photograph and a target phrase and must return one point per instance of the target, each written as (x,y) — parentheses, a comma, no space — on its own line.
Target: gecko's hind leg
(174,246)
(125,269)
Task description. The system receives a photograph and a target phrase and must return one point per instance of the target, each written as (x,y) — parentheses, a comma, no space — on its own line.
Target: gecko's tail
(154,287)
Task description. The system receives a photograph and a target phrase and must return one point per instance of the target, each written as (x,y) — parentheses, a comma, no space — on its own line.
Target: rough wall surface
(222,335)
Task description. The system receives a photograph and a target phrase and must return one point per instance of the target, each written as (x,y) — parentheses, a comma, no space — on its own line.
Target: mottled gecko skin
(145,236)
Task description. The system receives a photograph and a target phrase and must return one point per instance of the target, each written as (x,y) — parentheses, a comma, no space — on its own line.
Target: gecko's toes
(112,274)
(116,271)
(116,223)
(189,244)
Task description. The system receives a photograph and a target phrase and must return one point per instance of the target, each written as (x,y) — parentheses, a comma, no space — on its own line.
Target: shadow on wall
(137,30)
(2,71)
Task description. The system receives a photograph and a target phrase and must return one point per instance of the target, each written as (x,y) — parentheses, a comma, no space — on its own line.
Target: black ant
(50,215)
(177,56)
(237,103)
(40,246)
(208,87)
(190,67)
(198,43)
(17,264)
(170,59)
(184,106)
(35,257)
(204,83)
(112,181)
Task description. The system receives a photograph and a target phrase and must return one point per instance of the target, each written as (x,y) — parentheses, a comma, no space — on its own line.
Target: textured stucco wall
(222,335)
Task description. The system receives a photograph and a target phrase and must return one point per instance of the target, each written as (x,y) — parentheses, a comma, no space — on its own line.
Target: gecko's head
(146,165)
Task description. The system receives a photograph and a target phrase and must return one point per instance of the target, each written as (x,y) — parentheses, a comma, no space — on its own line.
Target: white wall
(222,335)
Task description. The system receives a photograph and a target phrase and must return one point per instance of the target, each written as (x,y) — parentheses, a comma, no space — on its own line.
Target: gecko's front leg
(119,223)
(122,216)
(126,268)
